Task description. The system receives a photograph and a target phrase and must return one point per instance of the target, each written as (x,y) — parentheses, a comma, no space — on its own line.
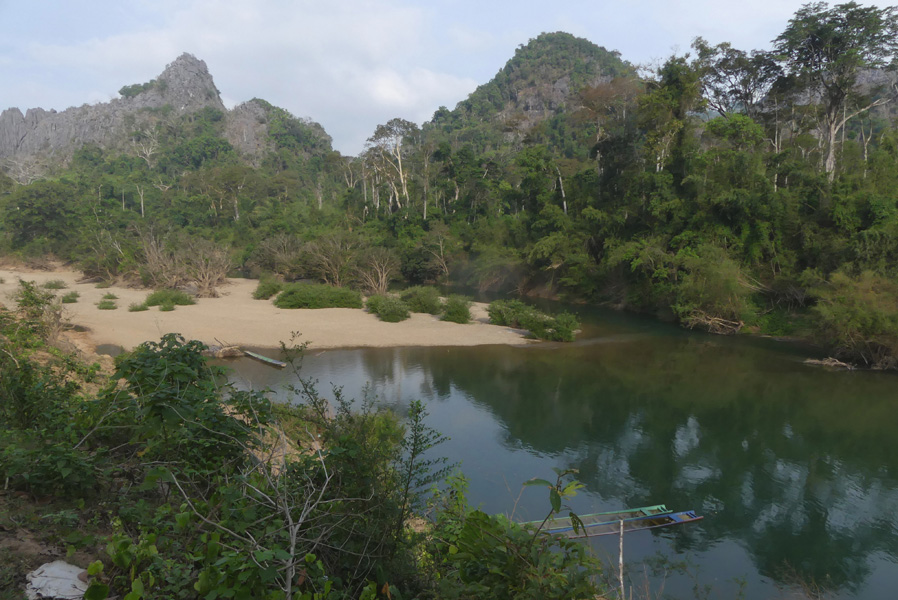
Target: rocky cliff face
(185,85)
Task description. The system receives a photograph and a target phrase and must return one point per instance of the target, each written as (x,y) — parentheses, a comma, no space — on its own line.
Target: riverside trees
(826,49)
(716,187)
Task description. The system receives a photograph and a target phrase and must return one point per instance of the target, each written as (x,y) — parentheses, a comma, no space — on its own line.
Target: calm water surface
(795,468)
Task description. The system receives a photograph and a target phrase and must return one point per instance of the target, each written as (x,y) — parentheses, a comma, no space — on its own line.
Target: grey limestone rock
(185,85)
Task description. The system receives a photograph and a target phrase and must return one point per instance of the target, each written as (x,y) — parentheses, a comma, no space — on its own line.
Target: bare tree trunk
(561,186)
(140,191)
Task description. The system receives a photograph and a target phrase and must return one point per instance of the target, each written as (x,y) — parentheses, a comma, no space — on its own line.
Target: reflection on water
(793,467)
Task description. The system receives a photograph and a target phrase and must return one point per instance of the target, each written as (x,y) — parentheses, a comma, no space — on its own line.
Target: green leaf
(537,481)
(95,568)
(555,500)
(96,591)
(137,588)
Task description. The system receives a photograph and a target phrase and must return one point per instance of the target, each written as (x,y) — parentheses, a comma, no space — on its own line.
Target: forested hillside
(733,190)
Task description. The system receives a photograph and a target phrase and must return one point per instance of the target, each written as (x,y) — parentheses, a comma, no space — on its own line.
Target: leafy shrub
(135,307)
(166,307)
(38,313)
(107,305)
(173,297)
(514,313)
(859,317)
(55,284)
(713,293)
(316,295)
(267,288)
(70,298)
(389,308)
(457,309)
(422,299)
(486,556)
(47,468)
(110,297)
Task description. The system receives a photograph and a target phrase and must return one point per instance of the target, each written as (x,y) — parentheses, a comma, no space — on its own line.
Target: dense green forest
(730,190)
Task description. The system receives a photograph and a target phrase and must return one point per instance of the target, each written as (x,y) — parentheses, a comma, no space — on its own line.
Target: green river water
(795,468)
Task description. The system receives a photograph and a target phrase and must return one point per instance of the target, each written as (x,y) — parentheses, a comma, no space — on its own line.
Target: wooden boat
(563,525)
(268,361)
(634,524)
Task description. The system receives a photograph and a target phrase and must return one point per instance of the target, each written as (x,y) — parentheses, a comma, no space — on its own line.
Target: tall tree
(827,49)
(734,80)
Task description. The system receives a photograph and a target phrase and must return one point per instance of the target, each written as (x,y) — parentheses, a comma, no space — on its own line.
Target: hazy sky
(348,64)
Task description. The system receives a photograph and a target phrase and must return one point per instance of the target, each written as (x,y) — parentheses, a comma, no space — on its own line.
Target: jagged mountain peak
(185,85)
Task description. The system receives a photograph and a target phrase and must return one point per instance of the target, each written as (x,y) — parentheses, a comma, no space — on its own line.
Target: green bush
(486,556)
(457,309)
(422,299)
(110,297)
(858,316)
(107,305)
(514,313)
(135,307)
(389,308)
(267,288)
(173,297)
(55,284)
(316,295)
(166,307)
(70,298)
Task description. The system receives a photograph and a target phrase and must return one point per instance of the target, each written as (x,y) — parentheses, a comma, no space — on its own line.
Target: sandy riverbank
(236,318)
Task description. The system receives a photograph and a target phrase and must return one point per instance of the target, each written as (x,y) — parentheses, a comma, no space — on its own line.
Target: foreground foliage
(179,486)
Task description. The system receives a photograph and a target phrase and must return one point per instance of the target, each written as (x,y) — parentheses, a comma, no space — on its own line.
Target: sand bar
(236,318)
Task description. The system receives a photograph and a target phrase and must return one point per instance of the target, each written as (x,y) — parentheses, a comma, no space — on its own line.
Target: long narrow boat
(633,524)
(268,361)
(564,524)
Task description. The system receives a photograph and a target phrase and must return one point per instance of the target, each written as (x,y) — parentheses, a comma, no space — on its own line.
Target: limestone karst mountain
(185,86)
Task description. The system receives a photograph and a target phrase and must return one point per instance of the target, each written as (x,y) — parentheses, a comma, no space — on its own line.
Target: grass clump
(55,284)
(316,295)
(267,288)
(107,305)
(135,307)
(110,297)
(457,309)
(422,299)
(166,307)
(388,308)
(514,313)
(70,297)
(173,297)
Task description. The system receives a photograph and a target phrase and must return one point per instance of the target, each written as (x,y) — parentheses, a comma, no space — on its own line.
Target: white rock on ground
(57,579)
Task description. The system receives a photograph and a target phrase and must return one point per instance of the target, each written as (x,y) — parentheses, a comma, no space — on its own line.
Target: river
(794,468)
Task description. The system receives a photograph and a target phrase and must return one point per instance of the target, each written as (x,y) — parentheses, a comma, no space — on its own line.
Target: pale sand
(236,318)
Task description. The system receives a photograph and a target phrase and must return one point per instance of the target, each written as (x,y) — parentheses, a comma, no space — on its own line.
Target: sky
(347,64)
